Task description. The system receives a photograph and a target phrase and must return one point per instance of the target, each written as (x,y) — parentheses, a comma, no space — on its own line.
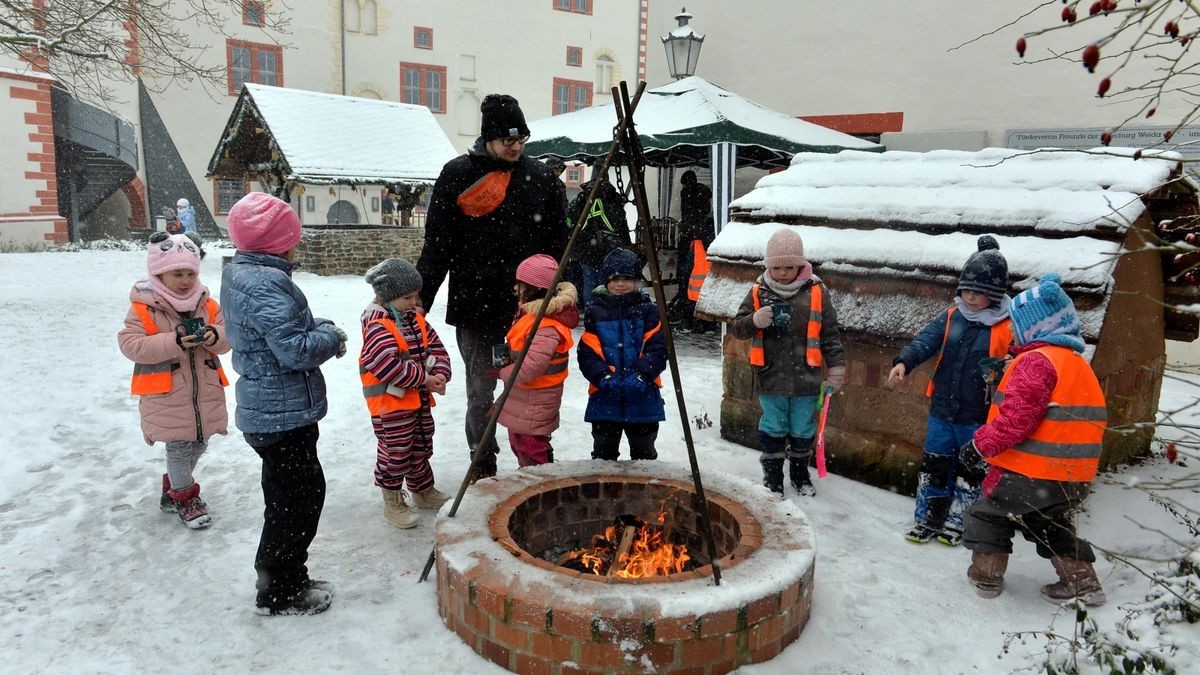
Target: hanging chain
(620,182)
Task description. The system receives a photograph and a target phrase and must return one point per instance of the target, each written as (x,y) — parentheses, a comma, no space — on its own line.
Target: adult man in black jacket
(516,206)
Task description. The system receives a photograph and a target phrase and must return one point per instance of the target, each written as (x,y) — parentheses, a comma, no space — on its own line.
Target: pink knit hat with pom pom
(174,252)
(537,270)
(260,222)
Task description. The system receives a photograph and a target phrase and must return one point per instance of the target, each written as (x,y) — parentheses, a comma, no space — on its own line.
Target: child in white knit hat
(173,332)
(795,344)
(402,364)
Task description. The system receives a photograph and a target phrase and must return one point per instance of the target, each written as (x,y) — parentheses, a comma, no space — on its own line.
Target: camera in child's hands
(501,356)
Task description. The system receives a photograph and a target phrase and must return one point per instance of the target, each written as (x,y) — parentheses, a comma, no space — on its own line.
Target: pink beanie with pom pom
(260,222)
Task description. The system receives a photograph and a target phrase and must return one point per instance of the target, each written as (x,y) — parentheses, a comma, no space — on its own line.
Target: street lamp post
(683,47)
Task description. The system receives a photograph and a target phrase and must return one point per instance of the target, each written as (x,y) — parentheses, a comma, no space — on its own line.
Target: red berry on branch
(1091,56)
(1183,41)
(1104,85)
(1021,46)
(1106,137)
(1137,154)
(1068,14)
(1150,112)
(1171,29)
(1095,8)
(1168,134)
(1172,453)
(1190,238)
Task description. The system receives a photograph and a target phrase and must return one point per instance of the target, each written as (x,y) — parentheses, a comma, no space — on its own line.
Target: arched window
(605,74)
(370,17)
(353,16)
(342,212)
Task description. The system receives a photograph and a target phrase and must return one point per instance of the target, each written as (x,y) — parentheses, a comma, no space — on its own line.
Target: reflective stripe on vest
(700,267)
(556,373)
(1067,444)
(155,378)
(812,332)
(998,343)
(380,401)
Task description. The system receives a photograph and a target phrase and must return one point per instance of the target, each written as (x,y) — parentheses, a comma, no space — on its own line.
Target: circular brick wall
(531,616)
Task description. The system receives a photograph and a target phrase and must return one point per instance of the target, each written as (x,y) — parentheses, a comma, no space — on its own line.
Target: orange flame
(650,554)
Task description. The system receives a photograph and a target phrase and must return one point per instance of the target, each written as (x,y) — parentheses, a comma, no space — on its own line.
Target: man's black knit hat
(502,117)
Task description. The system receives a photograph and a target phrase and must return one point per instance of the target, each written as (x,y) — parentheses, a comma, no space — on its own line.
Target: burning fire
(630,549)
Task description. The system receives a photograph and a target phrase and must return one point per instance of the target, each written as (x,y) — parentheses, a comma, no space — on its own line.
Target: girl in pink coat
(531,411)
(173,333)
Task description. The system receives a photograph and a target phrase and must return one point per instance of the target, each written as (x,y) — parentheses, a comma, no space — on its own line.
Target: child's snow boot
(773,454)
(949,536)
(192,510)
(430,498)
(398,513)
(799,454)
(920,534)
(987,573)
(1076,581)
(165,503)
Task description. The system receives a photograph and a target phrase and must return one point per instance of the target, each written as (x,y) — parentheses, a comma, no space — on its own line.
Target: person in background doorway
(695,229)
(490,209)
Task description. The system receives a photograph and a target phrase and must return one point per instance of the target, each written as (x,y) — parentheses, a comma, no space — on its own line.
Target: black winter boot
(774,451)
(799,454)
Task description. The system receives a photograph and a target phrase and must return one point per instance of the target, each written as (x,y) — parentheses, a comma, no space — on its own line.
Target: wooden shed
(888,233)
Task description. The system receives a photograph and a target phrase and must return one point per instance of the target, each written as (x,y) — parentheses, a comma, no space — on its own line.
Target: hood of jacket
(563,307)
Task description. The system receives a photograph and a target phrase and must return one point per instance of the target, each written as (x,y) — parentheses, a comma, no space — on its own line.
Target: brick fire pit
(500,590)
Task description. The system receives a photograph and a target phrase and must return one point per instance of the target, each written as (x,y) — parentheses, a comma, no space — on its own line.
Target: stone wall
(352,249)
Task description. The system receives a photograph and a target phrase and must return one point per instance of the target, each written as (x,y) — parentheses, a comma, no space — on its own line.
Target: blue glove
(972,467)
(609,384)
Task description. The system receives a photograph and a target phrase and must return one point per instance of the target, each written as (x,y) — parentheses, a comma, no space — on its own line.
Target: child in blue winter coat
(622,353)
(975,328)
(278,348)
(795,342)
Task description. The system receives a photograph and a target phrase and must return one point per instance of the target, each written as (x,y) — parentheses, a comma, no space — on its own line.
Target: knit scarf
(181,303)
(786,291)
(989,316)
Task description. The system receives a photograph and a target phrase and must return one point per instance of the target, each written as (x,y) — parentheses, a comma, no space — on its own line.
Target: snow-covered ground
(94,578)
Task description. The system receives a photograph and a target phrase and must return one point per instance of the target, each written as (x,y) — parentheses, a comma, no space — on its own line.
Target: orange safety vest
(1001,338)
(381,401)
(592,341)
(556,374)
(812,351)
(155,378)
(700,267)
(1066,446)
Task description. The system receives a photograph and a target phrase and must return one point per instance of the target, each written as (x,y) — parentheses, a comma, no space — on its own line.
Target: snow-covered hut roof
(319,138)
(917,216)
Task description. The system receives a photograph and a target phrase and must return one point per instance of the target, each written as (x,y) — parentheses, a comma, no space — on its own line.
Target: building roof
(917,216)
(330,139)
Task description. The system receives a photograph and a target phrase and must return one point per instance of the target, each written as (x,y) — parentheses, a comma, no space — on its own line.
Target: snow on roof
(326,138)
(1046,190)
(691,103)
(903,214)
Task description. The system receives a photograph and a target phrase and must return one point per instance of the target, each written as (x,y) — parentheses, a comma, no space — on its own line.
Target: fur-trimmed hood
(563,307)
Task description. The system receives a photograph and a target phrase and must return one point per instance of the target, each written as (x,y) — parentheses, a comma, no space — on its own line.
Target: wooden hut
(888,233)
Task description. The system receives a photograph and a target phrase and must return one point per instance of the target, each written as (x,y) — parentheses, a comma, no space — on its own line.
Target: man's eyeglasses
(510,141)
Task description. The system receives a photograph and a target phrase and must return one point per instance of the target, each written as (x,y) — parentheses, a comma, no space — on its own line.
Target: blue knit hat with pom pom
(1045,313)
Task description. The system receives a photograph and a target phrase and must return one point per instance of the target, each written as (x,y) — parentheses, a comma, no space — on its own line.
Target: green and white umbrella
(679,122)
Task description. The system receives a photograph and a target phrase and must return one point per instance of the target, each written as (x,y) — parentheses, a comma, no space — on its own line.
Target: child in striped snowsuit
(402,364)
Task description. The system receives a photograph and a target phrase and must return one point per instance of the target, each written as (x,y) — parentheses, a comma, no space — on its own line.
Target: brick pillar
(135,193)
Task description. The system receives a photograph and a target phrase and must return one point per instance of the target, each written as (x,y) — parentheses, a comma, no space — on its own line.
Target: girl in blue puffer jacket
(622,353)
(278,348)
